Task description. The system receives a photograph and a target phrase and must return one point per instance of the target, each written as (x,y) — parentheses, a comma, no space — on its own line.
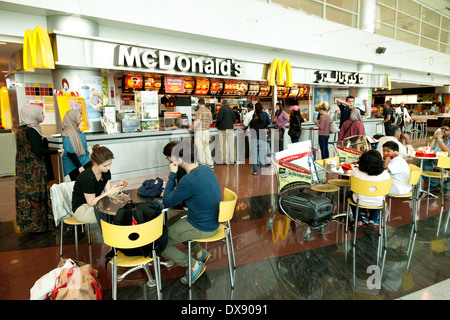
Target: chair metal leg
(61,240)
(232,246)
(76,240)
(114,279)
(189,264)
(229,257)
(88,233)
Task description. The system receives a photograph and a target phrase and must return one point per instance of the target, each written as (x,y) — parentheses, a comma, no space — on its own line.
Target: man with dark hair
(393,133)
(397,167)
(200,190)
(346,108)
(202,120)
(388,114)
(439,142)
(225,124)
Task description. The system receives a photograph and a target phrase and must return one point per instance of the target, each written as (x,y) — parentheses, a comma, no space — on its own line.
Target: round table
(110,205)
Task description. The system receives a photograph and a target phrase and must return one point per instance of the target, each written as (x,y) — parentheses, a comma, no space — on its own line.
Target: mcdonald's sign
(277,70)
(37,50)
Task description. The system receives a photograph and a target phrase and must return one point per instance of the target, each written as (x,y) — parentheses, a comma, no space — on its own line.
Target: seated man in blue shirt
(200,190)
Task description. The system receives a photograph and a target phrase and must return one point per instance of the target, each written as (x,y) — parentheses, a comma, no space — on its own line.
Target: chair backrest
(370,188)
(129,237)
(227,205)
(415,173)
(443,162)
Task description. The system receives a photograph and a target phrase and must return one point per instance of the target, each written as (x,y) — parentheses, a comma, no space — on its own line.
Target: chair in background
(443,164)
(372,189)
(226,212)
(129,237)
(415,173)
(61,197)
(341,183)
(326,188)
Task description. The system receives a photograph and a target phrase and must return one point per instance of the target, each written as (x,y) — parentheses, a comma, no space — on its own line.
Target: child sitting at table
(397,167)
(370,168)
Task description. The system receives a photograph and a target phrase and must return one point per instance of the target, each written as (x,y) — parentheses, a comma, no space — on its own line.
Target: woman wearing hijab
(33,172)
(76,156)
(353,126)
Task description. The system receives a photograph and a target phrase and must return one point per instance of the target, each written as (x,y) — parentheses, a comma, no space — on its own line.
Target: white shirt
(248,117)
(400,173)
(369,201)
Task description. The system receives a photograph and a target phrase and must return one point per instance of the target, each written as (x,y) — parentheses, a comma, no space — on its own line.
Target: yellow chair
(129,237)
(61,198)
(73,222)
(443,164)
(414,178)
(226,212)
(372,189)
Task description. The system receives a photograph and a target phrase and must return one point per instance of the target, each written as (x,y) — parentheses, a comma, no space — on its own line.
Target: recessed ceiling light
(3,42)
(4,71)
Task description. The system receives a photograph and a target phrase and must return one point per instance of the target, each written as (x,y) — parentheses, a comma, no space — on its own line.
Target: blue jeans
(429,165)
(373,213)
(323,144)
(258,152)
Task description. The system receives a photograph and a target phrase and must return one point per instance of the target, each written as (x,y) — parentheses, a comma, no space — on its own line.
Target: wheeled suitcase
(307,208)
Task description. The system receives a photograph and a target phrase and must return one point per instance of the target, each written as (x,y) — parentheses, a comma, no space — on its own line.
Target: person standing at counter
(258,139)
(388,114)
(33,172)
(237,116)
(76,156)
(202,121)
(281,119)
(201,192)
(352,126)
(347,106)
(249,115)
(93,184)
(295,124)
(324,128)
(225,125)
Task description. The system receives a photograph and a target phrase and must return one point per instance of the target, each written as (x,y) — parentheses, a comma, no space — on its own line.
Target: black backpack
(140,212)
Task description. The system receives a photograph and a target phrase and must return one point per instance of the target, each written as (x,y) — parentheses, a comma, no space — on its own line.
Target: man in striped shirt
(202,120)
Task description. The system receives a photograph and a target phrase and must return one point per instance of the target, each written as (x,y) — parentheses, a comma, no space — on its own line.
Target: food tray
(425,155)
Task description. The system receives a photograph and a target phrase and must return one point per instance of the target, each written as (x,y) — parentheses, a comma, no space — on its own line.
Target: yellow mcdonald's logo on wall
(37,50)
(277,70)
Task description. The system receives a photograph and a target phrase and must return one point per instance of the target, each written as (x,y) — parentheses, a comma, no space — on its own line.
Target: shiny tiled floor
(271,265)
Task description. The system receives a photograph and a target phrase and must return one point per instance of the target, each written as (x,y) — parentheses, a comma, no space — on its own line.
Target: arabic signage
(339,77)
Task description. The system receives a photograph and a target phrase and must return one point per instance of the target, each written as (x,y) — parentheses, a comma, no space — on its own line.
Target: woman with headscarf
(33,172)
(353,126)
(76,156)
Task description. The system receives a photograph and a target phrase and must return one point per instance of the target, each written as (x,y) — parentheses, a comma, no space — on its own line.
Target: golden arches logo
(37,50)
(277,70)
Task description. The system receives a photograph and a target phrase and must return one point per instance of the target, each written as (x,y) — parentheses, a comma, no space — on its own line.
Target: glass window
(445,23)
(387,15)
(444,49)
(409,7)
(445,39)
(429,44)
(389,3)
(350,5)
(408,23)
(407,37)
(431,17)
(430,31)
(385,30)
(340,16)
(311,7)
